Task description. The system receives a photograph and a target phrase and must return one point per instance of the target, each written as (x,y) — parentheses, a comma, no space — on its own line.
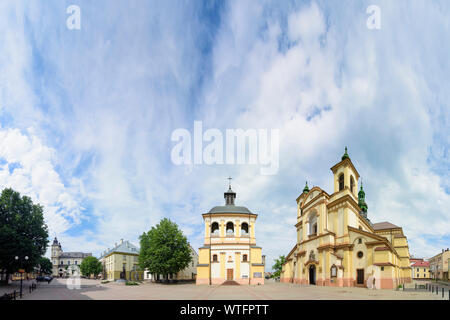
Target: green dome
(306,189)
(345,156)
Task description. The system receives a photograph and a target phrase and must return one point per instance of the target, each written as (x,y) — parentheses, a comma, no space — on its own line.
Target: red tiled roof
(421,264)
(384,225)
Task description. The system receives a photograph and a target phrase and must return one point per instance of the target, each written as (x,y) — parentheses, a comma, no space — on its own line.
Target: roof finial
(345,156)
(229,182)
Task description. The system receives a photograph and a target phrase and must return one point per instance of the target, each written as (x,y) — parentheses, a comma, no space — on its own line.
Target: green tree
(23,232)
(90,265)
(45,266)
(164,249)
(278,266)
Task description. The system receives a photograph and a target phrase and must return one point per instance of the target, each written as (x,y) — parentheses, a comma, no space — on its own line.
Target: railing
(16,293)
(10,296)
(444,292)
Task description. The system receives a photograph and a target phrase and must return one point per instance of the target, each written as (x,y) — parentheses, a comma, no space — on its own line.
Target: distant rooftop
(123,247)
(384,225)
(75,255)
(421,264)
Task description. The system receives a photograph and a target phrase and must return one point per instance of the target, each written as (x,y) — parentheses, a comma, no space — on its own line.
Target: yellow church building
(337,244)
(230,253)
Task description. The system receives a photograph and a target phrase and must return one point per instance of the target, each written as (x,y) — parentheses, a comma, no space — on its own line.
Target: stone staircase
(230,283)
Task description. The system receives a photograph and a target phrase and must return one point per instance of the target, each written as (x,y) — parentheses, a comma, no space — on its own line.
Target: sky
(87,115)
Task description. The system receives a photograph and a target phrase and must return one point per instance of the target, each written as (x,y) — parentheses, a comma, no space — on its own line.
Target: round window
(360,254)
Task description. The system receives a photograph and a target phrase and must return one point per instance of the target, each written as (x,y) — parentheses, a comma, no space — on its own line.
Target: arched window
(313,224)
(341,182)
(230,228)
(214,257)
(333,271)
(352,183)
(244,228)
(215,228)
(244,258)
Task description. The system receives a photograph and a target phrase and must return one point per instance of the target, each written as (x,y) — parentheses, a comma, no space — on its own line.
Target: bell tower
(345,175)
(56,249)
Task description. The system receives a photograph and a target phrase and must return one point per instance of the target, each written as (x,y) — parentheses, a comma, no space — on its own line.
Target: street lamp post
(21,273)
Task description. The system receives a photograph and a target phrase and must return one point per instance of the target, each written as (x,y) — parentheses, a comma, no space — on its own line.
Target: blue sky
(87,115)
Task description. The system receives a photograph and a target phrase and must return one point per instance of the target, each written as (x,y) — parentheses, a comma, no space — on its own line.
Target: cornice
(345,162)
(369,234)
(222,215)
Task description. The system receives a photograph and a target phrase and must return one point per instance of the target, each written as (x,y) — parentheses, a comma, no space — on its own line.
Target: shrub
(131,283)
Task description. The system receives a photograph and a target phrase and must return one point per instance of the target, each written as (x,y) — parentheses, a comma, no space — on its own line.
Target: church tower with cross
(230,253)
(338,245)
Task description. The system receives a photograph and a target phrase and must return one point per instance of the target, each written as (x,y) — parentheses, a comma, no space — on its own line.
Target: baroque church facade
(338,245)
(230,252)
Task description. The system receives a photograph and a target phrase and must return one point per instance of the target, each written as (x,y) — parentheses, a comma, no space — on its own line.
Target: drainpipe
(210,247)
(249,251)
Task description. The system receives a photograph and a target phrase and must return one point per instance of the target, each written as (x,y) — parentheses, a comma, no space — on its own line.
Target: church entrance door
(312,274)
(360,277)
(229,274)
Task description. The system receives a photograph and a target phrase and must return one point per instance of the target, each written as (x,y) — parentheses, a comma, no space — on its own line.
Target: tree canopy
(164,249)
(23,232)
(45,266)
(90,266)
(277,266)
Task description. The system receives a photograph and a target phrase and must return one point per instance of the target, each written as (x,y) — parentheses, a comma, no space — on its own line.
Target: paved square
(94,289)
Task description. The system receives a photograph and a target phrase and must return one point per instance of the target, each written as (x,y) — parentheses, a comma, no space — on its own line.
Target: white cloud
(37,178)
(307,24)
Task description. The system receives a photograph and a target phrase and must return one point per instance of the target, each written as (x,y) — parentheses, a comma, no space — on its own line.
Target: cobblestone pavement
(93,289)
